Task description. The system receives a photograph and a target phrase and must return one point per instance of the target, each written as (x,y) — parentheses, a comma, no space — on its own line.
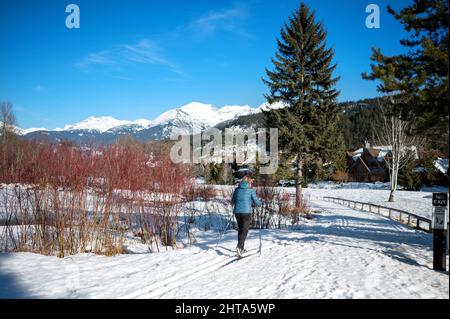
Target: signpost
(439,225)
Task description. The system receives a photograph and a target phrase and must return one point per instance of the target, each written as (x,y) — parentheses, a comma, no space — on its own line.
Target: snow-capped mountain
(102,124)
(195,117)
(188,119)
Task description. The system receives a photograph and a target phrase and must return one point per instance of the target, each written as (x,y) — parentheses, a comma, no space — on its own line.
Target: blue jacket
(243,198)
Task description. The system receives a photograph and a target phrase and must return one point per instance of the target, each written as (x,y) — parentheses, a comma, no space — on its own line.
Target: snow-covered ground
(419,203)
(416,202)
(340,253)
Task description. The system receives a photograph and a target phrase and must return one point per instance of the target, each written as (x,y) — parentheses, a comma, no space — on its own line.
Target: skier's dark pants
(243,221)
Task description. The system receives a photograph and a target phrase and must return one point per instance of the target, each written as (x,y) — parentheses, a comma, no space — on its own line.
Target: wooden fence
(399,215)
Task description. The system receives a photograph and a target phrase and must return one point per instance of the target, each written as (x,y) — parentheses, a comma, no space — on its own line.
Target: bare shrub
(201,192)
(66,199)
(278,208)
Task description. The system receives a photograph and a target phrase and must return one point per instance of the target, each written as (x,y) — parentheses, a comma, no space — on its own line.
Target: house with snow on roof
(368,163)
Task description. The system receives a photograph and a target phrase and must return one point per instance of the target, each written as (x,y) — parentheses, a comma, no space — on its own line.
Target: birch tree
(396,135)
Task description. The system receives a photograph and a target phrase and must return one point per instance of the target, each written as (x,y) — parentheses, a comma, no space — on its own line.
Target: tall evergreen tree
(302,79)
(421,74)
(216,173)
(257,167)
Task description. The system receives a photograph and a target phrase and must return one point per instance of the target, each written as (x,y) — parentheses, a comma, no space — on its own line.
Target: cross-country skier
(243,198)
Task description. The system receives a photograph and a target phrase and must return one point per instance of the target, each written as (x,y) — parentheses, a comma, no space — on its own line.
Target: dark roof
(372,151)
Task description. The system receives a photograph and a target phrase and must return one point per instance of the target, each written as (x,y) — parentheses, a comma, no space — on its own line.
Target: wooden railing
(399,215)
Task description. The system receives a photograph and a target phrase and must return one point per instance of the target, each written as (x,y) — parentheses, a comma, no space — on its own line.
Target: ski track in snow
(179,280)
(340,253)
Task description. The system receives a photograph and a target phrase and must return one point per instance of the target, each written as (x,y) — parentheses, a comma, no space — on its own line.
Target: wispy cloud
(97,58)
(148,52)
(39,88)
(142,52)
(229,19)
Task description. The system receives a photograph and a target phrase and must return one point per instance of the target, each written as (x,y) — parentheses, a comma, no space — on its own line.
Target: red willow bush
(67,199)
(277,208)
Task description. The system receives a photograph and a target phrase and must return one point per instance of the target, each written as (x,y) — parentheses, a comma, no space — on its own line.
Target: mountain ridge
(190,118)
(208,114)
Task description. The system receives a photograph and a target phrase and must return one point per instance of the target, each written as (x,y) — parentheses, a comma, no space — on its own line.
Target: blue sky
(135,59)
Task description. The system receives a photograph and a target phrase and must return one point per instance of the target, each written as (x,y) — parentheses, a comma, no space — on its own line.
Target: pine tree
(231,177)
(302,78)
(284,169)
(333,149)
(257,167)
(216,173)
(421,74)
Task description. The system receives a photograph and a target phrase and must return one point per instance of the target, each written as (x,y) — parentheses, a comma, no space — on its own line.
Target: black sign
(439,199)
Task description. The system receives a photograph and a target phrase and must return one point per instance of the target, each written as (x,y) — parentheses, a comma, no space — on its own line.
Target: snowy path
(341,253)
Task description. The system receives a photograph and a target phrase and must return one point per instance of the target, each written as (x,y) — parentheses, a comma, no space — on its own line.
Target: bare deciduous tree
(8,120)
(8,136)
(396,135)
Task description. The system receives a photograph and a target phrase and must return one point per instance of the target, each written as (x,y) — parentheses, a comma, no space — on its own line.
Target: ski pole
(260,228)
